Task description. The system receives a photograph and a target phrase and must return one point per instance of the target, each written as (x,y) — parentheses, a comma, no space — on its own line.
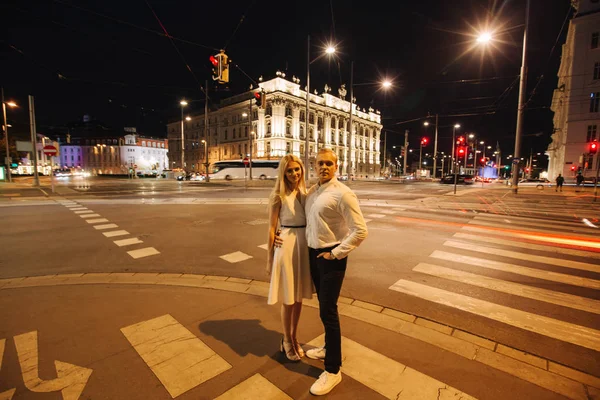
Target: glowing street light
(330,50)
(484,37)
(188,118)
(386,84)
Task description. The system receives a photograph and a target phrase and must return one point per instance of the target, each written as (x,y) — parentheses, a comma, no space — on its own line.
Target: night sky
(111,60)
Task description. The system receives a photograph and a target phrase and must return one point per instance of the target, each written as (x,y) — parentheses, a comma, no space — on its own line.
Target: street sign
(50,150)
(246,161)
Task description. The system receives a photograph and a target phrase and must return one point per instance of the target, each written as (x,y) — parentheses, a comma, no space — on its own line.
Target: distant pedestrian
(559,182)
(579,179)
(335,227)
(287,260)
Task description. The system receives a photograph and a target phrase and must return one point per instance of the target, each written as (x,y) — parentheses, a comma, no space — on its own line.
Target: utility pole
(36,179)
(6,139)
(306,129)
(350,131)
(521,106)
(435,149)
(250,133)
(206,131)
(405,150)
(384,150)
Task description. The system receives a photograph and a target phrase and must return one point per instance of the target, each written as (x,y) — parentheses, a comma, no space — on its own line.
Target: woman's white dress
(290,275)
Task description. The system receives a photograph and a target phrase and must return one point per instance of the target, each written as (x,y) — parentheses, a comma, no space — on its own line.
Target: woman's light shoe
(288,349)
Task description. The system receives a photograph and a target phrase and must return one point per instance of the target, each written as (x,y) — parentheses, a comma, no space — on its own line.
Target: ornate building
(576,101)
(280,127)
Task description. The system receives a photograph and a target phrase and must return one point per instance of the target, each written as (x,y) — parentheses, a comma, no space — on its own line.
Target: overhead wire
(238,25)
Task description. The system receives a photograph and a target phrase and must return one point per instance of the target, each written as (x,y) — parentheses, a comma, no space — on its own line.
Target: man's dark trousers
(328,276)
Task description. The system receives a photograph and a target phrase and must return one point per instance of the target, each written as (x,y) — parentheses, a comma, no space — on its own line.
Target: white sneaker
(326,382)
(316,354)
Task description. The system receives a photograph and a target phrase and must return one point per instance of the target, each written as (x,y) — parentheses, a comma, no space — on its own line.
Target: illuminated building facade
(280,127)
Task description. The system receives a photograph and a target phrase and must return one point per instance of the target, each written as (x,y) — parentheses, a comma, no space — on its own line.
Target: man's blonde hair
(328,151)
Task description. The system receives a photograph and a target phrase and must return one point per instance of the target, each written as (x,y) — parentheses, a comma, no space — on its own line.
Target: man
(559,182)
(334,227)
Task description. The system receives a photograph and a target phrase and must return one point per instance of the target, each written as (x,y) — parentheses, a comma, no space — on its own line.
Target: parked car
(539,184)
(462,179)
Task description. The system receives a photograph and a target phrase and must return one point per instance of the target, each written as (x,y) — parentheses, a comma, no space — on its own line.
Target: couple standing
(319,227)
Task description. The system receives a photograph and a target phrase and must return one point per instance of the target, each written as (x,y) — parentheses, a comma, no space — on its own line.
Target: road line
(264,246)
(115,233)
(96,221)
(533,225)
(78,208)
(539,238)
(90,215)
(175,355)
(517,269)
(524,256)
(84,212)
(525,245)
(127,242)
(560,330)
(388,377)
(235,257)
(512,219)
(255,387)
(107,226)
(145,252)
(533,230)
(375,216)
(517,289)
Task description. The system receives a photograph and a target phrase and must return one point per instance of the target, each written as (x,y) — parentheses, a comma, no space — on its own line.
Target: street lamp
(7,159)
(454,128)
(182,103)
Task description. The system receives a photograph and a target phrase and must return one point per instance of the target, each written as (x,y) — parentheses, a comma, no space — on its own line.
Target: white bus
(234,169)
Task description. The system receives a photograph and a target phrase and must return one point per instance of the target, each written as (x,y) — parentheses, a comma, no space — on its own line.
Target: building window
(311,118)
(301,131)
(225,134)
(288,129)
(233,134)
(246,131)
(332,123)
(597,70)
(288,147)
(269,110)
(594,102)
(288,111)
(268,148)
(591,133)
(302,116)
(595,40)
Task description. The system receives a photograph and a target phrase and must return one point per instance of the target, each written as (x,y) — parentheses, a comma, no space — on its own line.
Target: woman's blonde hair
(282,187)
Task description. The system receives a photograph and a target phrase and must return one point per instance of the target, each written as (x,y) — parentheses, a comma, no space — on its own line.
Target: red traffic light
(461,151)
(213,61)
(258,99)
(483,160)
(424,141)
(461,139)
(593,147)
(572,168)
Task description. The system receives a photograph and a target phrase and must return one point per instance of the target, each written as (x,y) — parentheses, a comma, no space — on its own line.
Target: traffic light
(483,160)
(258,99)
(220,64)
(573,168)
(460,140)
(461,151)
(424,141)
(403,151)
(593,147)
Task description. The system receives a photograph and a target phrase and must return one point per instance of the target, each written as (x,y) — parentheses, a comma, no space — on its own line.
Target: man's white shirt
(333,217)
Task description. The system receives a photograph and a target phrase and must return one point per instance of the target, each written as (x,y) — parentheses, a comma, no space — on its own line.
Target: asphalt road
(521,270)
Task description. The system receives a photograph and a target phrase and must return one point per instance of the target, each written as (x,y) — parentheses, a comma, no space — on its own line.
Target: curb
(542,372)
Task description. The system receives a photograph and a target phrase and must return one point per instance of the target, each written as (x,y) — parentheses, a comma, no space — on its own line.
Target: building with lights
(576,100)
(280,127)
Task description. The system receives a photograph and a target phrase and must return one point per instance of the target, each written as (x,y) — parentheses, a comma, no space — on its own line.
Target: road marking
(514,220)
(235,257)
(175,355)
(145,252)
(376,216)
(107,226)
(517,269)
(78,208)
(255,387)
(90,215)
(524,256)
(539,238)
(84,212)
(367,220)
(115,233)
(525,245)
(560,330)
(127,242)
(534,227)
(517,289)
(7,394)
(71,379)
(96,221)
(399,209)
(264,246)
(388,377)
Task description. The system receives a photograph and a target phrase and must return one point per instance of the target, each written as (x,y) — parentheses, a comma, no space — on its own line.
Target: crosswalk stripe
(525,245)
(255,387)
(528,221)
(78,208)
(115,233)
(517,289)
(106,226)
(84,212)
(534,229)
(96,221)
(127,242)
(523,256)
(89,215)
(560,330)
(539,238)
(175,355)
(388,377)
(145,252)
(518,269)
(529,224)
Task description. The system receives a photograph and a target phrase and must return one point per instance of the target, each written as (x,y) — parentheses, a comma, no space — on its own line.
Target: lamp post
(205,143)
(4,104)
(182,103)
(486,37)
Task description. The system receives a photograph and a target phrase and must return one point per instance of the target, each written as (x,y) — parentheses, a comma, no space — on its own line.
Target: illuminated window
(594,102)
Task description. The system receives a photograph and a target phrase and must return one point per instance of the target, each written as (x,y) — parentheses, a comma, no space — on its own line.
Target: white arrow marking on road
(8,394)
(71,378)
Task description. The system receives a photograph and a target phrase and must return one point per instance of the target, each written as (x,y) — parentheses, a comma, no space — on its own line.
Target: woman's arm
(275,206)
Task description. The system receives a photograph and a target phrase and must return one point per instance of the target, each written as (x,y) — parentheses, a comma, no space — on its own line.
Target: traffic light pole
(36,179)
(6,139)
(250,133)
(405,151)
(435,154)
(206,132)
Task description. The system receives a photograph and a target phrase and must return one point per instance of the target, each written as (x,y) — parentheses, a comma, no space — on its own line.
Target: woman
(288,265)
